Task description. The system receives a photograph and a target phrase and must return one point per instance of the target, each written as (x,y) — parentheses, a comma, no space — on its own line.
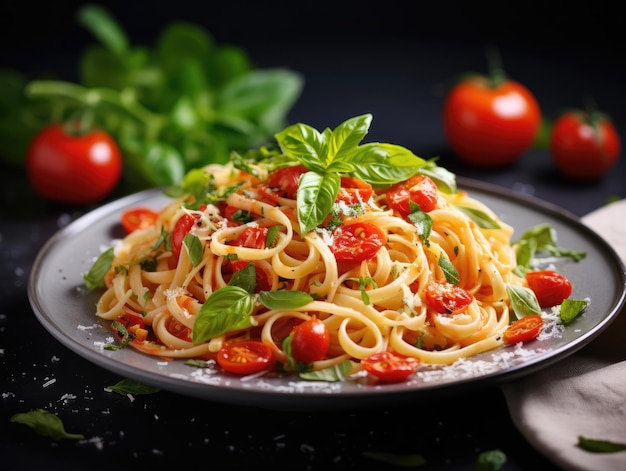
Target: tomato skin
(447,298)
(390,367)
(354,191)
(490,126)
(310,341)
(584,146)
(550,287)
(356,242)
(245,357)
(138,218)
(251,237)
(419,189)
(283,182)
(73,169)
(523,330)
(181,229)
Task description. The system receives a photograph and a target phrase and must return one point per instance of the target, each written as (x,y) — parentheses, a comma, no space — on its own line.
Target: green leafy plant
(181,104)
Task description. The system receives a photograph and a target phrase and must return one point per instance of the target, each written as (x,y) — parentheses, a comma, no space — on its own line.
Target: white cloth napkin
(585,394)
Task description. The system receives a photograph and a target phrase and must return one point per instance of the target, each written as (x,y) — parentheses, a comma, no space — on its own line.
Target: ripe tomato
(138,218)
(251,237)
(73,168)
(447,298)
(490,123)
(354,191)
(524,329)
(550,287)
(419,189)
(263,282)
(390,367)
(181,229)
(179,330)
(353,243)
(245,357)
(283,182)
(584,145)
(310,341)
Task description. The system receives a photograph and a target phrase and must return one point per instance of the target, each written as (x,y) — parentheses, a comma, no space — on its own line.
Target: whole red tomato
(79,169)
(490,121)
(584,145)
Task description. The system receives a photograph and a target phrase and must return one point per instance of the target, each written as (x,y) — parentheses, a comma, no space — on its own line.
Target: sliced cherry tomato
(181,229)
(354,191)
(245,357)
(128,320)
(490,121)
(73,167)
(419,189)
(179,330)
(251,237)
(550,287)
(584,145)
(446,298)
(523,330)
(353,243)
(283,182)
(390,367)
(310,341)
(138,218)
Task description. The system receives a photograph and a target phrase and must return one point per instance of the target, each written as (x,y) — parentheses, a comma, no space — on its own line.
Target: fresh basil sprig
(332,153)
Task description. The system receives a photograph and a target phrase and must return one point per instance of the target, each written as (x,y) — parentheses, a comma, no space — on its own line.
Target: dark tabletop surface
(394,64)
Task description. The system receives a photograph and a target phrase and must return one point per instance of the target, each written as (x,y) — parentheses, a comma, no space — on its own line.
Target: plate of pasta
(325,273)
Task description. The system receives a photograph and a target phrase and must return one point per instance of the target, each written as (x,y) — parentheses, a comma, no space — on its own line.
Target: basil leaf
(228,308)
(284,299)
(245,278)
(600,446)
(385,164)
(331,374)
(346,137)
(102,25)
(305,144)
(129,386)
(315,198)
(450,272)
(546,239)
(194,247)
(523,300)
(94,278)
(570,308)
(46,424)
(481,218)
(422,222)
(445,179)
(491,460)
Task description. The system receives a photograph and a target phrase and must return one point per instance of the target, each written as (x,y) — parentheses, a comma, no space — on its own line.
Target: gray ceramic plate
(66,309)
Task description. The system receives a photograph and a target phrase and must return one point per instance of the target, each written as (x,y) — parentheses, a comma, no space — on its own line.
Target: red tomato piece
(550,287)
(73,168)
(489,122)
(181,229)
(128,320)
(354,191)
(263,282)
(245,357)
(419,189)
(283,182)
(251,237)
(310,341)
(390,367)
(138,218)
(584,146)
(179,330)
(353,243)
(523,330)
(447,298)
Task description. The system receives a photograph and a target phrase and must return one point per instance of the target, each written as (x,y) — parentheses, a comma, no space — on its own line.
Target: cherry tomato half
(446,298)
(390,367)
(138,218)
(245,357)
(251,237)
(283,182)
(584,145)
(550,287)
(353,243)
(354,191)
(73,168)
(310,341)
(490,123)
(523,330)
(181,229)
(419,189)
